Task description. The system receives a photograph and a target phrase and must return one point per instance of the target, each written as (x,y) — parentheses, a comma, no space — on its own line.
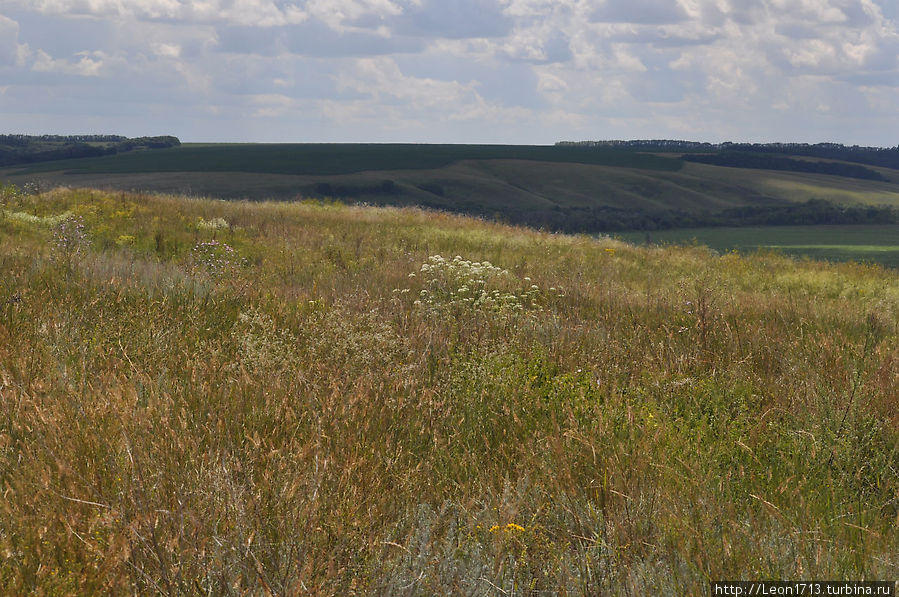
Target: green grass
(339,158)
(208,397)
(876,244)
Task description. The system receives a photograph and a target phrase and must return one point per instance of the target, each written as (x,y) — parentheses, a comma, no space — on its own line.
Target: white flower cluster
(27,218)
(459,282)
(213,224)
(263,345)
(216,259)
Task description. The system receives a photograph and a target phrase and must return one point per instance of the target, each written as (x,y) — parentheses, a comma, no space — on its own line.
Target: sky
(453,71)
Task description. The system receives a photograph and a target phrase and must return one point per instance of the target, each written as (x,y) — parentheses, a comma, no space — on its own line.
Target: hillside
(28,149)
(208,397)
(572,189)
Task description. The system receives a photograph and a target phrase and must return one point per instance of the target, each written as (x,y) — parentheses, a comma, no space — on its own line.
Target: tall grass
(290,416)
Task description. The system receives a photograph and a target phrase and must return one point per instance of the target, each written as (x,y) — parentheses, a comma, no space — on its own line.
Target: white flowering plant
(476,285)
(216,259)
(70,241)
(213,224)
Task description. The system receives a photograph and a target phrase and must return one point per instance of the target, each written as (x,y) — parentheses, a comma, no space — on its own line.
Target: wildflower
(70,240)
(215,258)
(69,234)
(213,224)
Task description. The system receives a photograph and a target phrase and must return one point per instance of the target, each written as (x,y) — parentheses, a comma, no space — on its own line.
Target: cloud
(381,80)
(313,38)
(652,12)
(512,84)
(538,45)
(9,35)
(12,53)
(456,19)
(349,14)
(459,70)
(272,105)
(84,66)
(164,50)
(263,13)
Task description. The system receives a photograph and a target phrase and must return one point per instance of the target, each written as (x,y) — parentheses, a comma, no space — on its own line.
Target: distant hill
(28,149)
(884,157)
(572,187)
(762,161)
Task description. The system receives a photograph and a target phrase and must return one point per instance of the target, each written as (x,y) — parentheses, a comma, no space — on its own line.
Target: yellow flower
(514,527)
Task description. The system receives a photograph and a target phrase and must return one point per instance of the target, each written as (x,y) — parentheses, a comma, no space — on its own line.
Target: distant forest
(28,149)
(885,157)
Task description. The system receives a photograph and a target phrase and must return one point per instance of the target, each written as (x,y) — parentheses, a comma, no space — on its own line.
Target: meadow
(873,244)
(203,397)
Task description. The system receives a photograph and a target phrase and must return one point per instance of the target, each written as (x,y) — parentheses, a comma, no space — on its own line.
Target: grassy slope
(879,244)
(624,421)
(474,178)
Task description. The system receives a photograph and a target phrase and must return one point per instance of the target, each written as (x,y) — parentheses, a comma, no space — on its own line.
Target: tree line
(28,149)
(27,139)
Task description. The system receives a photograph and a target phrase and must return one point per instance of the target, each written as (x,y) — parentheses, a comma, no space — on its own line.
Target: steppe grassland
(213,398)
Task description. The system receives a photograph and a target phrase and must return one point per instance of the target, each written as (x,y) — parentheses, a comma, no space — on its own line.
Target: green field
(341,158)
(875,244)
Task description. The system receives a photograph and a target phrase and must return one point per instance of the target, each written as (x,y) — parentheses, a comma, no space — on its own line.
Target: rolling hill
(564,188)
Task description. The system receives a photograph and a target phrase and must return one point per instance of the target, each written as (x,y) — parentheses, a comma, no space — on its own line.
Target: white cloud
(550,83)
(84,66)
(547,68)
(381,79)
(264,13)
(12,53)
(166,50)
(271,105)
(540,9)
(651,12)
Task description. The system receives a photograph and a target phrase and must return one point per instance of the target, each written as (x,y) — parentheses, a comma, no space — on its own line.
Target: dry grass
(293,422)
